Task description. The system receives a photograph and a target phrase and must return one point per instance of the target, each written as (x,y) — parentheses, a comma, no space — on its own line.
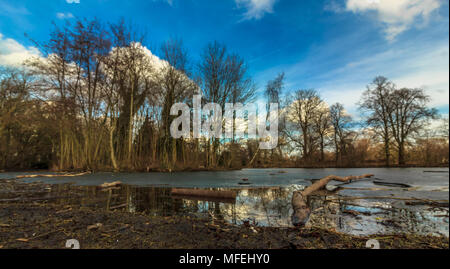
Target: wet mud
(43,216)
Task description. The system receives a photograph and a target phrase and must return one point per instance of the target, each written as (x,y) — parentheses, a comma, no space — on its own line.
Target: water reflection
(272,207)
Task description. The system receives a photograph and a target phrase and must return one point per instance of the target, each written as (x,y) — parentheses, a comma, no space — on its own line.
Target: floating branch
(390,184)
(322,183)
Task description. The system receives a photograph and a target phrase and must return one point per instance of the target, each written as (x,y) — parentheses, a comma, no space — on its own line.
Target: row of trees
(99,99)
(395,114)
(396,117)
(107,98)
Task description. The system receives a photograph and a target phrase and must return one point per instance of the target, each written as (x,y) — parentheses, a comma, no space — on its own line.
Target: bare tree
(224,78)
(376,101)
(322,127)
(71,77)
(341,122)
(443,128)
(274,89)
(13,96)
(273,93)
(175,86)
(302,113)
(135,81)
(409,115)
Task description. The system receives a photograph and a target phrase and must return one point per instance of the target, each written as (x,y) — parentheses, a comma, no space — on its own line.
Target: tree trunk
(305,146)
(386,151)
(130,127)
(111,148)
(322,154)
(401,154)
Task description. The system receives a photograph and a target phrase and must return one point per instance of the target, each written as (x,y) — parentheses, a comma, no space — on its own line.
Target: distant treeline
(98,99)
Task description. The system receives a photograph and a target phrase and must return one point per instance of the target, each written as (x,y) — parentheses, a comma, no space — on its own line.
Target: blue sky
(334,46)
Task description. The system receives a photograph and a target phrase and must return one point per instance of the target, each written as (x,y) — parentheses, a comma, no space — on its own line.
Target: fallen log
(301,209)
(52,175)
(324,181)
(409,201)
(110,185)
(118,206)
(390,184)
(21,199)
(204,193)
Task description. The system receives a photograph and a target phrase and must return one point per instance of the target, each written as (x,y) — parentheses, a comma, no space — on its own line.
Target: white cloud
(256,9)
(73,1)
(62,15)
(342,77)
(12,53)
(396,16)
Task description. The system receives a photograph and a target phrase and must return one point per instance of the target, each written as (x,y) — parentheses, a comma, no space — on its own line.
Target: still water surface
(361,208)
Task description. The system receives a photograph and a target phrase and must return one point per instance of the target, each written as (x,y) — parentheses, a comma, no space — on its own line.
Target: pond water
(381,205)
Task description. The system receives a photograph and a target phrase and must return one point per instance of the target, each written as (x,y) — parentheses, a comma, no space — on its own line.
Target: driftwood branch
(324,181)
(301,210)
(110,185)
(21,199)
(53,175)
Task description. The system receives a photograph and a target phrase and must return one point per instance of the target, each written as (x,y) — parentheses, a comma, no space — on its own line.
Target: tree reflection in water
(272,207)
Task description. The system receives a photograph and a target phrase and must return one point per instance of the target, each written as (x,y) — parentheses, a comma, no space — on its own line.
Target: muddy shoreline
(32,217)
(220,169)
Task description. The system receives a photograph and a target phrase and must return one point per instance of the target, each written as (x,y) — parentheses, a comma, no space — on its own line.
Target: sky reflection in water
(272,207)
